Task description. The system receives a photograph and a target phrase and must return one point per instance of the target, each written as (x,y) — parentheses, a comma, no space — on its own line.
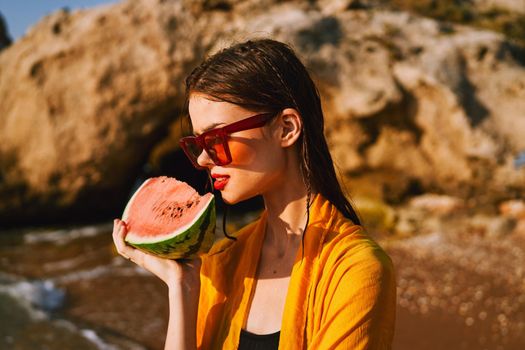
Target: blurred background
(424,106)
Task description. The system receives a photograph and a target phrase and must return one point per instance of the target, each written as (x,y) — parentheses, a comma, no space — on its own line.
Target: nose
(204,159)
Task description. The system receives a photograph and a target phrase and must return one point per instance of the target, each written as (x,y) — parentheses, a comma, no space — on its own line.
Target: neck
(286,217)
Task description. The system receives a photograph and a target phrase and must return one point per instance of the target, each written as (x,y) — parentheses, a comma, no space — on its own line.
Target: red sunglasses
(215,141)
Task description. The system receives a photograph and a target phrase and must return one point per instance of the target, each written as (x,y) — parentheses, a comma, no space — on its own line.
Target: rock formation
(5,40)
(440,105)
(509,5)
(83,98)
(411,104)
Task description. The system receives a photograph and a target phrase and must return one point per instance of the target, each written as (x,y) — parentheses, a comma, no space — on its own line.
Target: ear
(290,126)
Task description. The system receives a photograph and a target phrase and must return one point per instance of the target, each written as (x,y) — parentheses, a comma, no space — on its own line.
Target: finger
(116,229)
(135,255)
(128,252)
(118,238)
(124,227)
(120,225)
(114,235)
(125,249)
(122,230)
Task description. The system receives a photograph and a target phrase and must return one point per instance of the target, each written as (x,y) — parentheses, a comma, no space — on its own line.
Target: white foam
(116,269)
(39,297)
(66,264)
(64,236)
(36,297)
(95,339)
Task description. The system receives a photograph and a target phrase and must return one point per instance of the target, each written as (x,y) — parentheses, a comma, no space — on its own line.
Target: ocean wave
(119,267)
(38,297)
(34,303)
(65,236)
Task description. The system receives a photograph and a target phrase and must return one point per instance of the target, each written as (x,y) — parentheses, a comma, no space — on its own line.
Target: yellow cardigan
(341,295)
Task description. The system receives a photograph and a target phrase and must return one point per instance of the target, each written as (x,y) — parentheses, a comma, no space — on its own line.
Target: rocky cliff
(5,40)
(510,5)
(84,97)
(412,104)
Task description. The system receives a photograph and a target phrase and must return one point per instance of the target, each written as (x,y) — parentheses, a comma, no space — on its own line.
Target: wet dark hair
(265,75)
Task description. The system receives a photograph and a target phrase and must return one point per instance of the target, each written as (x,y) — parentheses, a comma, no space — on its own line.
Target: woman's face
(258,159)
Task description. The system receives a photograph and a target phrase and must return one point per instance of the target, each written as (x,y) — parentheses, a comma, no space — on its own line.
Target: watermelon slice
(168,218)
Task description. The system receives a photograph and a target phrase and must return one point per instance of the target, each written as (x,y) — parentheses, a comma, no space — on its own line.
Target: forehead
(206,113)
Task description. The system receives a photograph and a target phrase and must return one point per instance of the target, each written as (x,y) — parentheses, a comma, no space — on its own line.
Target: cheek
(254,168)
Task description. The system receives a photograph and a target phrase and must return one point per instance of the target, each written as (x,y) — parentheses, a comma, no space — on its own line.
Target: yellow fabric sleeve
(358,304)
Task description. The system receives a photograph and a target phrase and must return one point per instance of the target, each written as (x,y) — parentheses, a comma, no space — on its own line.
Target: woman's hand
(174,273)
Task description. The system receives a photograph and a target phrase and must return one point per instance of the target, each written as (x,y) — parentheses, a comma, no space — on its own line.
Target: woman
(304,274)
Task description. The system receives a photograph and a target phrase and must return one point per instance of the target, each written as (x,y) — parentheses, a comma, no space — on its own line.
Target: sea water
(67,288)
(34,264)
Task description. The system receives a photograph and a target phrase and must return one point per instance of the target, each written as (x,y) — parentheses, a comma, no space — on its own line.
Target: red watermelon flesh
(168,218)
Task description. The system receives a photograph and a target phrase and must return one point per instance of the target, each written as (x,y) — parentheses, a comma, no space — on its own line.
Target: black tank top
(252,341)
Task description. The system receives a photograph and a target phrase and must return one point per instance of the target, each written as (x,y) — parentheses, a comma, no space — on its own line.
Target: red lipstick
(220,181)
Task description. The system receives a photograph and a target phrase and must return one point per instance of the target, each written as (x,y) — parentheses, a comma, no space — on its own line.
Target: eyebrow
(210,127)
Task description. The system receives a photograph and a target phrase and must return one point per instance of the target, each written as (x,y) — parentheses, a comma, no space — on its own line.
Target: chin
(228,198)
(229,201)
(231,198)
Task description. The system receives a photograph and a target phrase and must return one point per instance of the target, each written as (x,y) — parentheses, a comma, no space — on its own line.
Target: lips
(220,181)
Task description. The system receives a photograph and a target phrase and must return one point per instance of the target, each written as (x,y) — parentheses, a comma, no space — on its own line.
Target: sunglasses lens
(192,149)
(216,149)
